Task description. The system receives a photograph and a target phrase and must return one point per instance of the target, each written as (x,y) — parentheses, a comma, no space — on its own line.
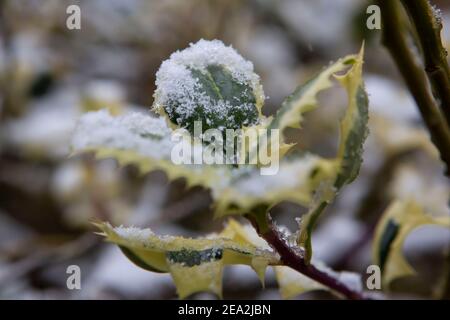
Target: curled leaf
(353,132)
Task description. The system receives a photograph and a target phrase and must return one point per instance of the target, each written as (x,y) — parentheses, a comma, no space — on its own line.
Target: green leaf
(221,102)
(397,222)
(353,132)
(194,264)
(210,83)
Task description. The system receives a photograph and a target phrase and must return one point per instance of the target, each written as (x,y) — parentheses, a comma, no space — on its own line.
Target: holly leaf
(247,189)
(353,132)
(142,140)
(195,264)
(397,222)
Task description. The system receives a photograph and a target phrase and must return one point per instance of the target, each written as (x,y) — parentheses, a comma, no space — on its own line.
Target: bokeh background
(50,75)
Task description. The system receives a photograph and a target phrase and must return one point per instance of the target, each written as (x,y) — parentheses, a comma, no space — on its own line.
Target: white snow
(175,82)
(290,175)
(205,53)
(134,234)
(142,133)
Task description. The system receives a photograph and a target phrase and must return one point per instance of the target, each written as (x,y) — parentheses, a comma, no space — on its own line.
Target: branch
(293,258)
(396,42)
(428,26)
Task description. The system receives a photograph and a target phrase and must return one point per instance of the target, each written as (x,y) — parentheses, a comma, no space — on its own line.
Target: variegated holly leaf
(293,108)
(304,98)
(398,221)
(353,132)
(142,140)
(194,264)
(145,141)
(295,181)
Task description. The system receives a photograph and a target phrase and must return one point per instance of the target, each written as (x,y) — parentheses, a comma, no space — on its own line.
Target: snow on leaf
(295,181)
(142,140)
(139,139)
(195,264)
(397,222)
(211,83)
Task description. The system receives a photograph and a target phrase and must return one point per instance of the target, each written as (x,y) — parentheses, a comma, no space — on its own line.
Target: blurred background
(50,75)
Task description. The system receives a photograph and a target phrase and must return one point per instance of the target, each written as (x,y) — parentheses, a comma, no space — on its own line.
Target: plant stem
(395,40)
(294,259)
(428,27)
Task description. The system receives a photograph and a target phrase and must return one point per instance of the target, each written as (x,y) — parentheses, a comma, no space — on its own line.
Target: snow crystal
(134,234)
(176,83)
(135,131)
(205,53)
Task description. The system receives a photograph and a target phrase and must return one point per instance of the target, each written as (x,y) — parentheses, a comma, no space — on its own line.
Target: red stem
(293,259)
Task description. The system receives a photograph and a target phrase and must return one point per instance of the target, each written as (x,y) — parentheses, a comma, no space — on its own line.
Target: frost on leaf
(135,131)
(211,83)
(194,264)
(398,221)
(139,139)
(295,181)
